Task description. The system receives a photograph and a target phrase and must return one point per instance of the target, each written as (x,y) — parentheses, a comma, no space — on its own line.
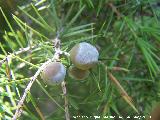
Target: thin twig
(2,61)
(8,88)
(115,10)
(57,54)
(56,57)
(123,93)
(63,84)
(117,69)
(19,109)
(39,112)
(20,51)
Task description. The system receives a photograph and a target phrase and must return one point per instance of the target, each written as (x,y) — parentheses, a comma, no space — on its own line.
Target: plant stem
(63,84)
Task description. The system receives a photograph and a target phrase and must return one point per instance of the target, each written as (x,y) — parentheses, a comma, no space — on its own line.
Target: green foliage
(127,34)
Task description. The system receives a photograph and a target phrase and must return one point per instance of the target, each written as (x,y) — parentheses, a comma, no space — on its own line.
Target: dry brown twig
(123,93)
(65,100)
(56,57)
(115,10)
(63,84)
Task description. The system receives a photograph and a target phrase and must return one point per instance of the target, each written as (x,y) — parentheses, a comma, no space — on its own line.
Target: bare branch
(21,102)
(56,57)
(115,10)
(57,54)
(20,51)
(65,100)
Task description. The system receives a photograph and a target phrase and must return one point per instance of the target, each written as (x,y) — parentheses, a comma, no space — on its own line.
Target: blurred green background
(126,33)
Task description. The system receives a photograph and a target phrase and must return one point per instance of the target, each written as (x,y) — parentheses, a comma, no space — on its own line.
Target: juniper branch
(19,109)
(56,57)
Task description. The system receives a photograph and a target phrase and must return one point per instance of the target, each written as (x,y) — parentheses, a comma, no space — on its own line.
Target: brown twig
(57,54)
(117,69)
(65,100)
(115,10)
(123,93)
(40,113)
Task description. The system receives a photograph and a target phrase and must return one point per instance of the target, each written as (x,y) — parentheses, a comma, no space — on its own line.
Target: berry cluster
(83,56)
